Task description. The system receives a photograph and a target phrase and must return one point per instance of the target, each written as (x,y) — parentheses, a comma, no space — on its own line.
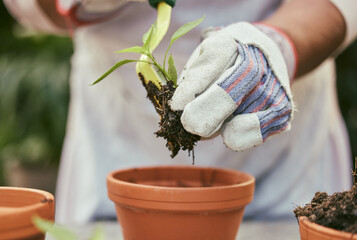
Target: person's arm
(316,28)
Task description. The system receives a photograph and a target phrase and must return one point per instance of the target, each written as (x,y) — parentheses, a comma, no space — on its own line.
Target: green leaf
(98,234)
(149,34)
(117,65)
(172,70)
(56,231)
(185,29)
(162,24)
(146,35)
(136,49)
(182,31)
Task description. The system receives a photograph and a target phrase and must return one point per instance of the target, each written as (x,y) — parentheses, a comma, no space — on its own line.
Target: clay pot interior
(180,202)
(18,206)
(313,231)
(179,177)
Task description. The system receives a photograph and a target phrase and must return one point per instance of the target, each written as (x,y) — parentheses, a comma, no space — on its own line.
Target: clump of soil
(171,128)
(337,211)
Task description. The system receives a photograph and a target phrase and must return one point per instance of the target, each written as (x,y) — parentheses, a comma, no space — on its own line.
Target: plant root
(171,127)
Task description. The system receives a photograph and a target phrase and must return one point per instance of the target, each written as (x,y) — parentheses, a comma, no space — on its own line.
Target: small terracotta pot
(313,231)
(17,208)
(180,202)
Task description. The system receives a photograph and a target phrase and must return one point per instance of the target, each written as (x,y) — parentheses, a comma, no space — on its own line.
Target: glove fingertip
(180,98)
(205,115)
(176,104)
(242,132)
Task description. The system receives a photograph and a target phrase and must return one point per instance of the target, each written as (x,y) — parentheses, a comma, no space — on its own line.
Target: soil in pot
(337,211)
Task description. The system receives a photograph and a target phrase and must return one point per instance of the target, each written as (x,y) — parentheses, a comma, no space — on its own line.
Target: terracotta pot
(313,231)
(180,202)
(18,206)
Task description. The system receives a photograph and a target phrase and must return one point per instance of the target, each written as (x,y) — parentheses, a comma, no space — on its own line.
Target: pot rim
(306,225)
(246,175)
(20,210)
(185,198)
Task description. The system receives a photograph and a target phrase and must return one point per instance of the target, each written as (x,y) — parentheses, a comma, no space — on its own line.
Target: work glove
(237,83)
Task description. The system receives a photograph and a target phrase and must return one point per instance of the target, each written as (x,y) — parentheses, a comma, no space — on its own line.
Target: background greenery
(347,92)
(34,93)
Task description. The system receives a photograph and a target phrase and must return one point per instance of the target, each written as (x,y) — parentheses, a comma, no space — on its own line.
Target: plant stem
(162,70)
(167,50)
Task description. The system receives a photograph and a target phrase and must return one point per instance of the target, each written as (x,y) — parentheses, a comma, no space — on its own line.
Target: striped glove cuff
(285,45)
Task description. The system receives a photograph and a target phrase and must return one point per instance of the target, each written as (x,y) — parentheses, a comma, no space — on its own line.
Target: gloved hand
(236,81)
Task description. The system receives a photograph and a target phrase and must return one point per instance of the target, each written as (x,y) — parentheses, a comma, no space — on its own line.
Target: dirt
(337,211)
(170,125)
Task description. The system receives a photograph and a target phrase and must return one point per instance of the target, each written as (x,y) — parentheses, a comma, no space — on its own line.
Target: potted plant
(329,217)
(180,202)
(17,208)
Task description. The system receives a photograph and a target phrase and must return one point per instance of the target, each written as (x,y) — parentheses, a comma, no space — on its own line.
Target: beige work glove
(236,83)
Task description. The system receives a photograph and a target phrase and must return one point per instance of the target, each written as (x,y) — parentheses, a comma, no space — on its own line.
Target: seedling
(160,80)
(59,232)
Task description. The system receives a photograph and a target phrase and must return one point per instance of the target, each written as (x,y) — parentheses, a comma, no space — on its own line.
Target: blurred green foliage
(34,94)
(347,91)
